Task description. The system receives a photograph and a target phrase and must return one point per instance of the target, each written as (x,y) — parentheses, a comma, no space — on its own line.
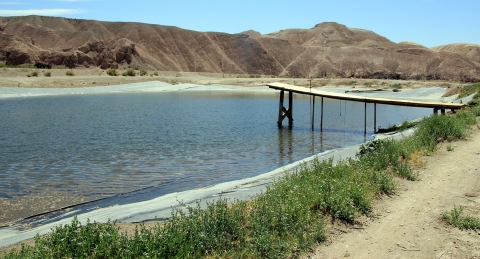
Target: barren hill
(326,50)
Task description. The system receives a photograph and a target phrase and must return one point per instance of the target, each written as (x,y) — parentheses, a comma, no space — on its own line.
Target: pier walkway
(284,112)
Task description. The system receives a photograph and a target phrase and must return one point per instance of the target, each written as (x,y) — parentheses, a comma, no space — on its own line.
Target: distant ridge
(327,50)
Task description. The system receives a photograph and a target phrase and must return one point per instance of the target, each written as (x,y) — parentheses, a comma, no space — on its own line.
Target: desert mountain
(326,50)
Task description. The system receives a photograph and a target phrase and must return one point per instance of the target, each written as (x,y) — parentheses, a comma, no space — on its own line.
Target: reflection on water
(108,144)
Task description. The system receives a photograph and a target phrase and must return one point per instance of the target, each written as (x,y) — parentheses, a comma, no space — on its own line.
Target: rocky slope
(327,50)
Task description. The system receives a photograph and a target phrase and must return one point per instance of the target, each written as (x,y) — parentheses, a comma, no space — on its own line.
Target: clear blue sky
(427,22)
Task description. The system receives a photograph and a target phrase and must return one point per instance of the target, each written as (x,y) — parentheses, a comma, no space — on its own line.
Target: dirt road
(409,224)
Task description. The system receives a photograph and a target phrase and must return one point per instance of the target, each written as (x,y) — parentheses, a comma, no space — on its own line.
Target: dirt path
(409,224)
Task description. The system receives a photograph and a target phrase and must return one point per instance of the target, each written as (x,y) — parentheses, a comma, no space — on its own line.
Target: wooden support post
(321,117)
(283,112)
(374,117)
(442,111)
(280,109)
(290,108)
(435,111)
(365,121)
(313,111)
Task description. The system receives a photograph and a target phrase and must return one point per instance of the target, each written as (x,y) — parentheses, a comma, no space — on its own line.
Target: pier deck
(284,112)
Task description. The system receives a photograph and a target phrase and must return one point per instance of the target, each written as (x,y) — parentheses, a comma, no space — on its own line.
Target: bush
(33,73)
(42,65)
(143,72)
(129,72)
(155,73)
(112,72)
(70,73)
(47,74)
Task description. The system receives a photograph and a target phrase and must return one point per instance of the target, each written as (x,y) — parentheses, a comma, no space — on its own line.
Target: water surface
(108,144)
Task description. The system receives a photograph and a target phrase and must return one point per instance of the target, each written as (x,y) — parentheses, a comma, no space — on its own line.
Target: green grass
(352,83)
(454,218)
(470,89)
(405,125)
(282,222)
(3,65)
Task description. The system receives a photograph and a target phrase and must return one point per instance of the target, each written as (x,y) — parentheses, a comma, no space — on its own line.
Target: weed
(449,148)
(129,72)
(405,125)
(33,73)
(143,72)
(70,73)
(396,86)
(473,103)
(112,72)
(469,90)
(454,218)
(352,83)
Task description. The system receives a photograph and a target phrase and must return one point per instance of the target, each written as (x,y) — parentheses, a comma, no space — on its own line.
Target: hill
(328,50)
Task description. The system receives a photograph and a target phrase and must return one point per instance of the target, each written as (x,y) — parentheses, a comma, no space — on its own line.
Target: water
(108,144)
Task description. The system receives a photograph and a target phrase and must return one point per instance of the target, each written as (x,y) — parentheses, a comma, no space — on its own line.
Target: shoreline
(237,189)
(159,209)
(17,78)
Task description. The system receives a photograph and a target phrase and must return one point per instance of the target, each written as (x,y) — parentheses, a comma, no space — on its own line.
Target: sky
(427,22)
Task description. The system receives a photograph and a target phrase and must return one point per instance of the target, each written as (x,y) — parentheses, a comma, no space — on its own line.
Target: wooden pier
(284,112)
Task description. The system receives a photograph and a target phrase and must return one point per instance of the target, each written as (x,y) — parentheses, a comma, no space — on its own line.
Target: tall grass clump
(287,218)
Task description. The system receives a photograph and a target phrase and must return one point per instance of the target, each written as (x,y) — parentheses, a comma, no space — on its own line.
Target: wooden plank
(341,96)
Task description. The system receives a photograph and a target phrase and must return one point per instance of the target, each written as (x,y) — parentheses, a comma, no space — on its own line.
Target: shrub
(473,103)
(42,65)
(33,73)
(352,82)
(112,72)
(129,72)
(47,74)
(155,73)
(70,73)
(143,72)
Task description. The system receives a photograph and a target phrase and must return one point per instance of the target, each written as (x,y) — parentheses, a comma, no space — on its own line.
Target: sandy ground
(409,224)
(17,77)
